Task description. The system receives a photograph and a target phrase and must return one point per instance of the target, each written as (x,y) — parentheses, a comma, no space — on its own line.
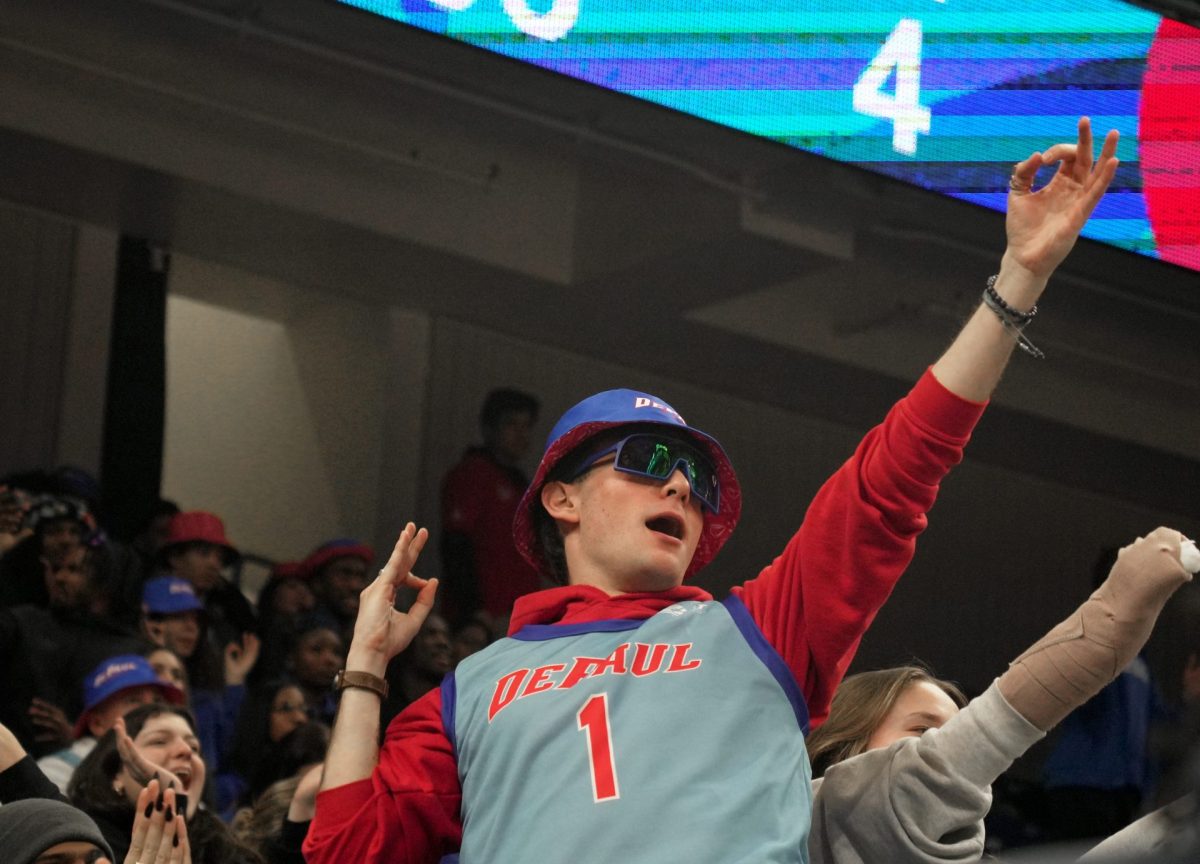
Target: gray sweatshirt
(1171,833)
(919,799)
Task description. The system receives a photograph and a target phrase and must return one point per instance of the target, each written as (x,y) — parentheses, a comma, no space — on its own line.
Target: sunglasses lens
(659,461)
(658,457)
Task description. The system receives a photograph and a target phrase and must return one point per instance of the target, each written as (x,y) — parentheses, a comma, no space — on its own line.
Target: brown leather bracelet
(362,680)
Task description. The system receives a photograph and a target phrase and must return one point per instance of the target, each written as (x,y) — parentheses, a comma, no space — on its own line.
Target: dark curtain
(131,466)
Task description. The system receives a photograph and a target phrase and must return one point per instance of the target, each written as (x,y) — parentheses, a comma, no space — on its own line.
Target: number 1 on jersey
(593,719)
(902,52)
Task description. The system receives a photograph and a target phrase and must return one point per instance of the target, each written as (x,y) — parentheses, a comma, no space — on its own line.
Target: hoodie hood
(577,604)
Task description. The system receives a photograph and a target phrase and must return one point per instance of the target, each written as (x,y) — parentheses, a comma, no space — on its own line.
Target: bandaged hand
(1077,658)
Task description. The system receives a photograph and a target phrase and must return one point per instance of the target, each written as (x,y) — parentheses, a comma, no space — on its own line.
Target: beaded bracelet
(1012,320)
(1015,316)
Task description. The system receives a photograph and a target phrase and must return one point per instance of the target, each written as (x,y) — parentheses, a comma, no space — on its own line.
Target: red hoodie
(813,603)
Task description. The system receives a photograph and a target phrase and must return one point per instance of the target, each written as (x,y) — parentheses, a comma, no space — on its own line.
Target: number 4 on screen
(901,52)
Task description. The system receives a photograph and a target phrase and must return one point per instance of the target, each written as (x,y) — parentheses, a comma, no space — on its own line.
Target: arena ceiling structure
(325,145)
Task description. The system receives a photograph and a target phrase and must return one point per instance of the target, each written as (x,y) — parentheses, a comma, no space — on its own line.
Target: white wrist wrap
(1189,556)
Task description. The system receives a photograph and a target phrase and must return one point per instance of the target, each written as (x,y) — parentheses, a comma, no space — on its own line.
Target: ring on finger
(1018,186)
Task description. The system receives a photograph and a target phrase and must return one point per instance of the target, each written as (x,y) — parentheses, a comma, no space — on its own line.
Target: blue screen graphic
(945,94)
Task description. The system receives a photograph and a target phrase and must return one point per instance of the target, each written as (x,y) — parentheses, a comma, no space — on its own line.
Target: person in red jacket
(481,568)
(629,501)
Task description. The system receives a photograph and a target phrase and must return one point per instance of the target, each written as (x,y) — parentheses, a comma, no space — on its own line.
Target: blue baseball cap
(609,410)
(170,595)
(121,673)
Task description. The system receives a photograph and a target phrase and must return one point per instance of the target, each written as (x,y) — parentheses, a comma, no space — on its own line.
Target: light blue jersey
(675,738)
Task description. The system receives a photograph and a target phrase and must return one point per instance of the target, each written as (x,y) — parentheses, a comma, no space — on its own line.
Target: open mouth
(672,526)
(185,777)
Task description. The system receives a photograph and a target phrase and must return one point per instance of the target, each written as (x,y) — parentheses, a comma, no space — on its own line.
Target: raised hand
(11,751)
(13,509)
(1146,573)
(380,633)
(1044,224)
(159,830)
(240,658)
(142,771)
(380,630)
(155,631)
(52,725)
(1078,657)
(304,799)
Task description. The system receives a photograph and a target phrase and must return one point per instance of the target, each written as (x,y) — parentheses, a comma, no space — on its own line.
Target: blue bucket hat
(609,410)
(170,595)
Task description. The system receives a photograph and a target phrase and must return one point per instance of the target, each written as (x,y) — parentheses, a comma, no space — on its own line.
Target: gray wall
(35,270)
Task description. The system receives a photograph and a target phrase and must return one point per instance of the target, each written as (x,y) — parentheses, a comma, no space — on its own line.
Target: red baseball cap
(343,547)
(288,570)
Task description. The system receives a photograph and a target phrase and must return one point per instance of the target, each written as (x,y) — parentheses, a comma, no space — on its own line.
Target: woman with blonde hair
(861,706)
(906,764)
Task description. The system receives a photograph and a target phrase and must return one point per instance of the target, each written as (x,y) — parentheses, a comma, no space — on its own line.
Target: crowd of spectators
(124,661)
(127,662)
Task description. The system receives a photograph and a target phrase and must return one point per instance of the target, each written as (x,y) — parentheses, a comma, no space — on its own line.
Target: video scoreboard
(944,94)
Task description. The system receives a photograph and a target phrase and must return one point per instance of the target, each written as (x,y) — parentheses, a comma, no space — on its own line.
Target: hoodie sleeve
(814,602)
(407,812)
(24,779)
(919,800)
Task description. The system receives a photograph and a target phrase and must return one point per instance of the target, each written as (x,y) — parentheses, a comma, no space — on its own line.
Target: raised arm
(400,805)
(923,800)
(11,751)
(380,633)
(1080,656)
(19,775)
(1042,227)
(817,599)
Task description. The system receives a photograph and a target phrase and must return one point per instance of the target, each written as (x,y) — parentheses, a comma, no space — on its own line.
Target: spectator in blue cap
(173,616)
(116,686)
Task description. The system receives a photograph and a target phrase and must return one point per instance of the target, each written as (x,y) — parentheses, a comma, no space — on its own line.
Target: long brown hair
(859,706)
(91,790)
(91,787)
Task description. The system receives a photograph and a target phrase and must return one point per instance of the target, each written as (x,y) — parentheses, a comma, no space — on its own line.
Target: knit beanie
(30,827)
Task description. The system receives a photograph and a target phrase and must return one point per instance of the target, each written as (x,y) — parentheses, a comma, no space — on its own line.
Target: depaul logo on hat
(609,410)
(111,671)
(169,595)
